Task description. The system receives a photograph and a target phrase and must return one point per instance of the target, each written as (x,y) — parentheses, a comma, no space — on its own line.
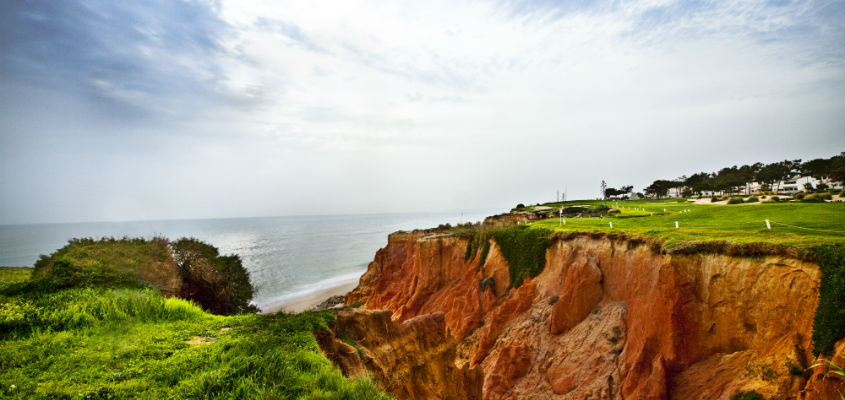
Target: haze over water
(286,256)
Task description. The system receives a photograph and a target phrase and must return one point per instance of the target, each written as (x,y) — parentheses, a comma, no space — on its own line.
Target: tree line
(736,178)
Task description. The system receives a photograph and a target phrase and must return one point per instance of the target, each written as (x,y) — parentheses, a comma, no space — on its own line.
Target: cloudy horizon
(117,111)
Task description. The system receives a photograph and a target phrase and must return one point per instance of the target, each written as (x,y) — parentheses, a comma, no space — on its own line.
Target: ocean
(287,257)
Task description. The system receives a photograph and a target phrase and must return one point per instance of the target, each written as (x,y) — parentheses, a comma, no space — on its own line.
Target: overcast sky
(127,110)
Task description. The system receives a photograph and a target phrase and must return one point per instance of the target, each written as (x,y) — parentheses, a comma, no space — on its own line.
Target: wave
(308,291)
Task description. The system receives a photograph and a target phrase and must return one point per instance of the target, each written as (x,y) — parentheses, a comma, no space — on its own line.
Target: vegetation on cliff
(525,251)
(829,322)
(73,332)
(187,268)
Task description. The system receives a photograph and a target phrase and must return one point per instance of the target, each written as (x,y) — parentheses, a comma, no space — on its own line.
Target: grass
(800,225)
(829,320)
(10,275)
(104,342)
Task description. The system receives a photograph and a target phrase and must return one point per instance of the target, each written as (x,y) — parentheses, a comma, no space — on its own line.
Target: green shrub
(735,200)
(800,196)
(715,199)
(752,199)
(749,395)
(829,321)
(525,251)
(220,284)
(816,198)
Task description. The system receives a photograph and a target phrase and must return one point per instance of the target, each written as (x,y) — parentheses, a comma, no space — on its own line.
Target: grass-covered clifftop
(806,229)
(793,224)
(99,330)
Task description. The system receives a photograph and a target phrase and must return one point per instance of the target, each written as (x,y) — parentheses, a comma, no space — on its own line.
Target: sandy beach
(302,301)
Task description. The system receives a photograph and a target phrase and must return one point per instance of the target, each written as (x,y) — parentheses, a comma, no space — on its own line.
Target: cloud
(401,105)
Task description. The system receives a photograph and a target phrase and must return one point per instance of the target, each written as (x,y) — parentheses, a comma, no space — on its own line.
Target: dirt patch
(195,340)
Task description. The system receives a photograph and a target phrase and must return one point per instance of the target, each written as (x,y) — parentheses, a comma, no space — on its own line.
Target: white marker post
(561,217)
(768,225)
(611,225)
(676,224)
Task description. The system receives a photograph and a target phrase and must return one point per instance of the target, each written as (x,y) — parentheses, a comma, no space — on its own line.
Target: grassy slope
(741,223)
(131,343)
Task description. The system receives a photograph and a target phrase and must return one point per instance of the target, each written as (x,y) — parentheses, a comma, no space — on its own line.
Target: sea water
(287,257)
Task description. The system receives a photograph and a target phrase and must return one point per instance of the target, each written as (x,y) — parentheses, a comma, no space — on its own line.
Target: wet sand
(305,301)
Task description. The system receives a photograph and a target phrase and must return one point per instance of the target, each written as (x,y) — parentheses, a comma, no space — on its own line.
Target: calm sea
(286,256)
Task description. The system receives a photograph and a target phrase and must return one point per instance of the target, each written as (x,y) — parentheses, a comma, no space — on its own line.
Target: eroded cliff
(607,318)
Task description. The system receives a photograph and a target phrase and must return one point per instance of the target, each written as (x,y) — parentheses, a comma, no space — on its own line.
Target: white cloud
(401,106)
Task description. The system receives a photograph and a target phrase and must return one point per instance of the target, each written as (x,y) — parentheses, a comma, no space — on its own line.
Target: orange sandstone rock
(411,360)
(629,322)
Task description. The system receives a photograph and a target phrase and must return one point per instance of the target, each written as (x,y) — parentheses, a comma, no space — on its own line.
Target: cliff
(411,360)
(607,318)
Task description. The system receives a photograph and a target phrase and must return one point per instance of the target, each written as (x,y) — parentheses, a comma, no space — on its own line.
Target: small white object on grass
(611,225)
(676,224)
(768,225)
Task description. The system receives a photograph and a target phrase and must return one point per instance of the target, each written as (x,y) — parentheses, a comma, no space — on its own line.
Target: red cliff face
(607,319)
(411,360)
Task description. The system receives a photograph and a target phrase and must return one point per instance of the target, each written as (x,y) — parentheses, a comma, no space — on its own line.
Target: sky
(126,110)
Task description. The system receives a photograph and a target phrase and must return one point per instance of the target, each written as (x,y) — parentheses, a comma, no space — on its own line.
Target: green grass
(10,275)
(800,225)
(131,343)
(103,342)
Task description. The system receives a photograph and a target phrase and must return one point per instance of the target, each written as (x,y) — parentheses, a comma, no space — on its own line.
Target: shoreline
(305,299)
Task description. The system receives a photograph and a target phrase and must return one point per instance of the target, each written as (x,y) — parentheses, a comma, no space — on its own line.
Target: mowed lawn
(793,224)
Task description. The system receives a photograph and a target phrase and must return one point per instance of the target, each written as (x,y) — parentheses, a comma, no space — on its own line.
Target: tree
(659,188)
(775,172)
(808,187)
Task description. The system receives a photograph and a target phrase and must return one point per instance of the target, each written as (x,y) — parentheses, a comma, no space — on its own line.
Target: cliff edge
(607,318)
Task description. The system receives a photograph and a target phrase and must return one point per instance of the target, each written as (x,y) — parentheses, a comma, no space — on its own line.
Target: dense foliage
(218,283)
(829,321)
(525,251)
(731,179)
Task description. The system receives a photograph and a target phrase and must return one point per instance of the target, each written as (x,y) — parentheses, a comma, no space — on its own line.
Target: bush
(735,200)
(829,321)
(187,268)
(715,199)
(106,262)
(525,251)
(220,284)
(800,196)
(520,205)
(752,199)
(816,198)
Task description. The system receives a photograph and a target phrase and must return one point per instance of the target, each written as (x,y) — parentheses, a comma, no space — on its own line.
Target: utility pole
(557,199)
